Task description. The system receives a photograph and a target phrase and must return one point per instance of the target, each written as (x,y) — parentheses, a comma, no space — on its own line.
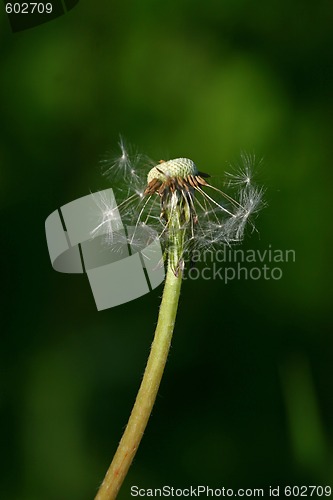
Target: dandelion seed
(110,219)
(123,170)
(243,172)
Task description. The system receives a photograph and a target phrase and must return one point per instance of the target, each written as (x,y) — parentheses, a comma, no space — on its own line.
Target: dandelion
(188,212)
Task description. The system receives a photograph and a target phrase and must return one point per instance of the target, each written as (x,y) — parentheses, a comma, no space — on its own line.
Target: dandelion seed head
(179,167)
(175,190)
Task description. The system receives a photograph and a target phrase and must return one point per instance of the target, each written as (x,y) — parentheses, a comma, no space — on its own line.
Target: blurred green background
(246,399)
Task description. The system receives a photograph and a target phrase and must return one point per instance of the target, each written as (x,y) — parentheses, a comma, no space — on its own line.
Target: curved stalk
(148,390)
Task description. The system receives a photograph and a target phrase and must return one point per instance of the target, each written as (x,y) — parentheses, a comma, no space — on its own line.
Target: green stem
(148,390)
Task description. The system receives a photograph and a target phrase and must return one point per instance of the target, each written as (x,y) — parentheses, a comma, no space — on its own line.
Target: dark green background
(246,399)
